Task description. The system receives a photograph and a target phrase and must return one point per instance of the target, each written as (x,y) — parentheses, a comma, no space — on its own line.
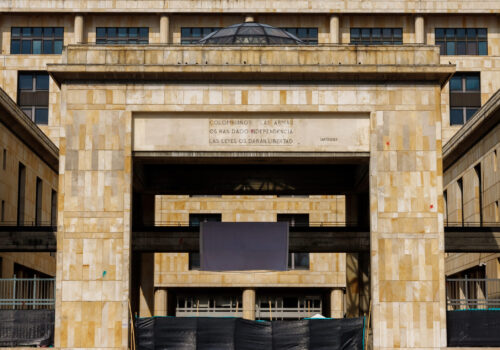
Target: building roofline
(27,131)
(481,123)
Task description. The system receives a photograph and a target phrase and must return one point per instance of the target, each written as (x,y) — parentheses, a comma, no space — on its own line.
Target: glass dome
(251,33)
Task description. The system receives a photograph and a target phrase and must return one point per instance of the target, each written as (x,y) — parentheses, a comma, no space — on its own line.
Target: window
(122,35)
(462,41)
(38,201)
(33,95)
(195,220)
(296,261)
(21,185)
(191,35)
(377,36)
(307,35)
(36,40)
(465,97)
(53,208)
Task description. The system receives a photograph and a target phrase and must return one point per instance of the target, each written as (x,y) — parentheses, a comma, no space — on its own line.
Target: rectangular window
(122,35)
(465,97)
(21,186)
(377,36)
(38,202)
(191,35)
(36,40)
(462,41)
(307,35)
(296,261)
(195,220)
(53,208)
(33,95)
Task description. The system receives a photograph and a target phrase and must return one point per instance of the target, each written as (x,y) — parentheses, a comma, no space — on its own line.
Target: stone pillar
(249,304)
(407,233)
(337,303)
(419,30)
(334,29)
(249,18)
(146,292)
(78,29)
(93,237)
(161,302)
(164,29)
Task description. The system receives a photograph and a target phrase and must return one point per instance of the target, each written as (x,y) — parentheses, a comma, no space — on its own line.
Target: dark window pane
(398,33)
(121,42)
(313,32)
(355,32)
(483,48)
(471,33)
(25,81)
(302,32)
(59,32)
(197,32)
(111,32)
(376,33)
(37,31)
(144,32)
(471,48)
(469,112)
(26,31)
(143,42)
(365,33)
(456,116)
(460,33)
(450,32)
(442,47)
(48,47)
(42,116)
(15,31)
(122,32)
(387,33)
(58,46)
(101,32)
(456,83)
(42,81)
(185,32)
(439,33)
(460,47)
(15,46)
(472,83)
(133,32)
(194,261)
(48,31)
(26,46)
(450,48)
(207,31)
(37,46)
(100,41)
(301,260)
(482,33)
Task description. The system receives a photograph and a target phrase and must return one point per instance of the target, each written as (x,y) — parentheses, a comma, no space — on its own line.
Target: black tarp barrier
(238,246)
(26,328)
(473,328)
(211,333)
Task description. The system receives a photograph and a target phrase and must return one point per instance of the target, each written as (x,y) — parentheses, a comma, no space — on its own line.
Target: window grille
(36,40)
(377,36)
(307,35)
(191,35)
(462,41)
(122,35)
(287,307)
(465,97)
(33,95)
(209,305)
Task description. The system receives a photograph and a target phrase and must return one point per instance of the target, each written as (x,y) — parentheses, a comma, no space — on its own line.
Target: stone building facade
(385,106)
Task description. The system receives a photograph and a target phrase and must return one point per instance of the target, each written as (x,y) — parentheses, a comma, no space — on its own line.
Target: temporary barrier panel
(473,328)
(26,328)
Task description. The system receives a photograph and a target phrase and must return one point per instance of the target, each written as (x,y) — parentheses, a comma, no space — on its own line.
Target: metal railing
(27,293)
(472,293)
(471,224)
(295,224)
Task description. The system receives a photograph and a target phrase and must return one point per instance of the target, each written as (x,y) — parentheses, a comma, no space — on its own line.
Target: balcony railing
(27,293)
(472,293)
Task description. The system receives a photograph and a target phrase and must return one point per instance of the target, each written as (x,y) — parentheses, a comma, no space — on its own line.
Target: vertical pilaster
(164,29)
(79,29)
(337,303)
(334,29)
(419,30)
(161,302)
(249,304)
(249,18)
(407,239)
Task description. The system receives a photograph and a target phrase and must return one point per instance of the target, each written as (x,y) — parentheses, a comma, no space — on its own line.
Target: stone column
(407,233)
(249,18)
(146,291)
(249,304)
(337,303)
(164,29)
(161,302)
(419,29)
(93,237)
(334,29)
(78,29)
